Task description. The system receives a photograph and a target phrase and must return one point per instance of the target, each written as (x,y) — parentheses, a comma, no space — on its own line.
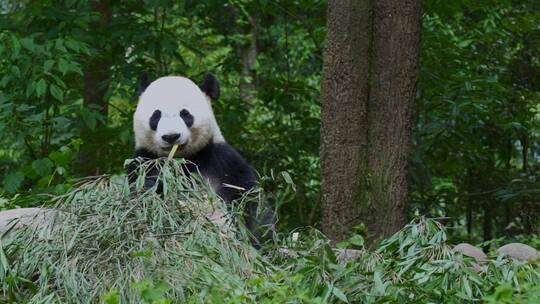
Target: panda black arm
(142,155)
(227,166)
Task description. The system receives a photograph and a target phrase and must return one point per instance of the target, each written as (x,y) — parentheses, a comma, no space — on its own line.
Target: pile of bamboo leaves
(109,237)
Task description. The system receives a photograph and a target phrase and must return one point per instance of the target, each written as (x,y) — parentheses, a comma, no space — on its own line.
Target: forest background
(69,72)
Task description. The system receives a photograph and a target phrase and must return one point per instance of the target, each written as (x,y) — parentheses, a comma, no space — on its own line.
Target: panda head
(174,110)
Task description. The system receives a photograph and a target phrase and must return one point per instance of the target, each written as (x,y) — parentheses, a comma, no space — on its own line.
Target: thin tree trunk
(488,218)
(96,81)
(524,140)
(368,92)
(248,55)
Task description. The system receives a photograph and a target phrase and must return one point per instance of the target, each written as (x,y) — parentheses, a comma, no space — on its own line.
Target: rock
(471,251)
(519,251)
(23,216)
(346,255)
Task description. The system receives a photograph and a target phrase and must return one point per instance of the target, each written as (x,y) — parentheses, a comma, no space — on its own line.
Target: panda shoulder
(226,152)
(234,168)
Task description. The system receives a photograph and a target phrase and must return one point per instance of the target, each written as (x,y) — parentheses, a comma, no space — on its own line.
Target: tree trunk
(344,94)
(368,92)
(396,49)
(248,55)
(96,82)
(487,226)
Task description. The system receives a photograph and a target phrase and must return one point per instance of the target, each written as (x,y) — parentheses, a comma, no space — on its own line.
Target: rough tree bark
(95,85)
(368,93)
(395,57)
(344,93)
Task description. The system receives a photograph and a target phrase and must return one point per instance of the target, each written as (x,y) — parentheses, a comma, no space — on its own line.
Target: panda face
(173,110)
(171,128)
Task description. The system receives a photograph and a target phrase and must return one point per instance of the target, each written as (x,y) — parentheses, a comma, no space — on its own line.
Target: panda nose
(171,138)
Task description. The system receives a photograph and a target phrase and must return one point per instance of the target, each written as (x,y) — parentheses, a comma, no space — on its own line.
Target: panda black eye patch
(154,119)
(187,117)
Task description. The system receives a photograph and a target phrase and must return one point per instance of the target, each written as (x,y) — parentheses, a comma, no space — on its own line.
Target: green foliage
(38,99)
(506,293)
(164,249)
(476,138)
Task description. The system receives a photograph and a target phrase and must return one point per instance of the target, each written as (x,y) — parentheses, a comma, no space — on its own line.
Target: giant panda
(174,110)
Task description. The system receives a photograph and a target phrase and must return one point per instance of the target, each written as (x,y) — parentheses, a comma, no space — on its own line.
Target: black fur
(210,86)
(221,162)
(187,117)
(154,119)
(143,83)
(142,155)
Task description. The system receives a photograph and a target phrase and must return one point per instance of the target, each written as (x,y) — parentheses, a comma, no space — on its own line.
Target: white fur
(170,95)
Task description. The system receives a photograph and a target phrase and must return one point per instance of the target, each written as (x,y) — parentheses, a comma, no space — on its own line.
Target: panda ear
(143,83)
(210,86)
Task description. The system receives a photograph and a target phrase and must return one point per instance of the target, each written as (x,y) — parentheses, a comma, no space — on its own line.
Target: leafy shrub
(120,245)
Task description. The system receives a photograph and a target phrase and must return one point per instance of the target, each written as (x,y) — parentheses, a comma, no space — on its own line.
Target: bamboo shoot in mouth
(173,151)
